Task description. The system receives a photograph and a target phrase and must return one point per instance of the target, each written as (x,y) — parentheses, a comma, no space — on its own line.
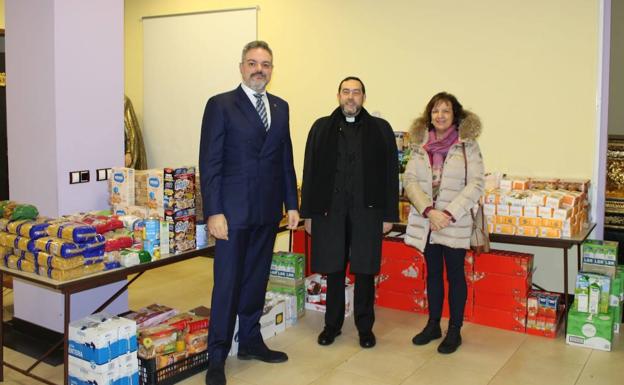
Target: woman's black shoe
(431,332)
(451,342)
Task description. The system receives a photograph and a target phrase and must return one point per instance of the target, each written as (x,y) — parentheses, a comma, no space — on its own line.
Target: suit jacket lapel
(276,119)
(248,110)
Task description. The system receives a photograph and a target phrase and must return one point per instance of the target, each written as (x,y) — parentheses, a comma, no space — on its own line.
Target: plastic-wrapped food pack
(74,232)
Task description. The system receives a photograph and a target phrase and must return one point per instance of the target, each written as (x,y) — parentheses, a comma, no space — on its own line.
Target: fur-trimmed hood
(469,129)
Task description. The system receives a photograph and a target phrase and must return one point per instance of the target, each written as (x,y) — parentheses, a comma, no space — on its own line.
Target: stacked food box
(167,337)
(550,208)
(102,350)
(273,320)
(502,281)
(404,152)
(401,281)
(316,293)
(286,282)
(544,313)
(596,312)
(166,195)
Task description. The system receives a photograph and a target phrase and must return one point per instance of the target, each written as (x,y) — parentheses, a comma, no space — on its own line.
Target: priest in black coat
(350,195)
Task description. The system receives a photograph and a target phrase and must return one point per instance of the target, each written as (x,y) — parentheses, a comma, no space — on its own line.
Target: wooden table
(67,288)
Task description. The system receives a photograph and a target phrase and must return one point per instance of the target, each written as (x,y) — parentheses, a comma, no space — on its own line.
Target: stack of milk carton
(103,350)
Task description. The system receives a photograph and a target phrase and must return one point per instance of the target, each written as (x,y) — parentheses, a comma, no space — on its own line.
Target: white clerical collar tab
(350,119)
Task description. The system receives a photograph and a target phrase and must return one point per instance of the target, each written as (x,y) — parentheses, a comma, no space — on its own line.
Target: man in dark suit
(349,197)
(247,177)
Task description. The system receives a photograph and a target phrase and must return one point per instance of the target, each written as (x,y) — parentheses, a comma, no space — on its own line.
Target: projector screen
(188,58)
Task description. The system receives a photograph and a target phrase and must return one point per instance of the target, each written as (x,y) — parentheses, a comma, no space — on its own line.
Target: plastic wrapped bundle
(15,211)
(4,251)
(16,263)
(95,247)
(65,275)
(3,224)
(14,241)
(48,260)
(55,246)
(70,231)
(32,229)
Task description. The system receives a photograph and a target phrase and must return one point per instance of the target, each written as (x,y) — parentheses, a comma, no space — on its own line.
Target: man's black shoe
(328,336)
(368,340)
(216,374)
(262,353)
(431,332)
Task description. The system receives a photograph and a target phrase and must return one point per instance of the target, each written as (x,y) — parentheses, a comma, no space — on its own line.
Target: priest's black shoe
(262,353)
(367,340)
(215,374)
(328,336)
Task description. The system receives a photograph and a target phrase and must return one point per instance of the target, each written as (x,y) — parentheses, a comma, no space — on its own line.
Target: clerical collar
(350,119)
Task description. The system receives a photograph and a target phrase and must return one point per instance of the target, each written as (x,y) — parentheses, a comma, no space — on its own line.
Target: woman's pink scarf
(438,148)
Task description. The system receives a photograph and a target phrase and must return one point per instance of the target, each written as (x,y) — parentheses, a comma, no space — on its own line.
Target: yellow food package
(16,263)
(73,232)
(549,232)
(65,275)
(527,231)
(550,222)
(528,221)
(59,263)
(505,229)
(58,247)
(506,220)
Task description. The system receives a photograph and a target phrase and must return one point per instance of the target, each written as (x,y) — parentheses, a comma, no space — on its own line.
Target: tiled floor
(488,355)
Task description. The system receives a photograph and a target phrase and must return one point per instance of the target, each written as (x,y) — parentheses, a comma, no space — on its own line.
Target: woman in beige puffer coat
(443,186)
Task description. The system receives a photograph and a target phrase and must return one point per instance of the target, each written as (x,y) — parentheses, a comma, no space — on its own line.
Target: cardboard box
(502,284)
(288,266)
(600,257)
(121,186)
(272,323)
(415,302)
(504,262)
(508,320)
(293,288)
(590,331)
(500,301)
(316,287)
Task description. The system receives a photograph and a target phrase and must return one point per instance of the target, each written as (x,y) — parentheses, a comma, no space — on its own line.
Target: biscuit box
(179,188)
(121,186)
(181,230)
(590,330)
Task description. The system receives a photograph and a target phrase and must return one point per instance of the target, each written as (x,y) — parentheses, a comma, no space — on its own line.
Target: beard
(350,109)
(257,83)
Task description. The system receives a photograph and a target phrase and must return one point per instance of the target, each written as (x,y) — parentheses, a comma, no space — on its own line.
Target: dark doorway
(4,159)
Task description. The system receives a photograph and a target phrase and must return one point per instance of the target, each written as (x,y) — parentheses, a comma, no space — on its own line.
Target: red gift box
(502,284)
(508,320)
(504,262)
(415,302)
(501,301)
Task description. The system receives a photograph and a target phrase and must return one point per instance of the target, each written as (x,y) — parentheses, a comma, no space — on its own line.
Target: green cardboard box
(288,266)
(600,257)
(590,330)
(584,300)
(297,290)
